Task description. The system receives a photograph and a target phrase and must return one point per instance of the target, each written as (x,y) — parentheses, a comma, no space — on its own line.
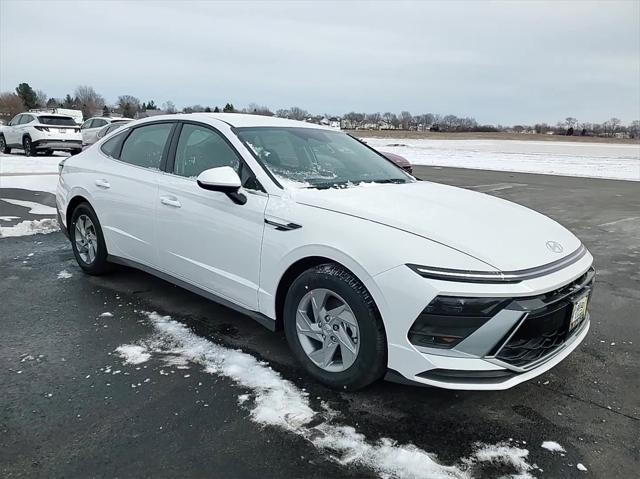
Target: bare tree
(570,122)
(169,107)
(256,109)
(296,113)
(41,98)
(129,105)
(373,119)
(10,105)
(90,102)
(634,129)
(406,119)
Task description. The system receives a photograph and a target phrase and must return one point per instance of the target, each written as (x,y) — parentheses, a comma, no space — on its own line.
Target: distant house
(334,122)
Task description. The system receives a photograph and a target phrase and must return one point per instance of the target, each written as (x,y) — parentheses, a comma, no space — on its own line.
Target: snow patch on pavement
(64,274)
(552,446)
(277,402)
(106,314)
(35,182)
(581,467)
(34,208)
(595,160)
(133,354)
(26,228)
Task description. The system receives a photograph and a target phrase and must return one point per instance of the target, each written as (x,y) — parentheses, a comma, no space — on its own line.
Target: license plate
(579,311)
(62,130)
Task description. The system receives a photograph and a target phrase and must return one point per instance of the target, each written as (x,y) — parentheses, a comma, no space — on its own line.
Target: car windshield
(57,120)
(315,158)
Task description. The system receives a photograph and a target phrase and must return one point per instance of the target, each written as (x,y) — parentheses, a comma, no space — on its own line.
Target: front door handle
(103,184)
(170,201)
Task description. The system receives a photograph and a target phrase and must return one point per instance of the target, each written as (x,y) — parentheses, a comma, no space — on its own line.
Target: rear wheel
(27,146)
(87,241)
(3,145)
(334,329)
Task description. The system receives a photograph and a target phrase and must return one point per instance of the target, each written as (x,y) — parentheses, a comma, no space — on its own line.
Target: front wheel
(334,329)
(27,146)
(87,241)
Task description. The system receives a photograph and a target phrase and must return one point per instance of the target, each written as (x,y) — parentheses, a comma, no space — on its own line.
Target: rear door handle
(103,184)
(170,201)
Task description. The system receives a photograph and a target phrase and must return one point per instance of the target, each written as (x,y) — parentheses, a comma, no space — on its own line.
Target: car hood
(502,234)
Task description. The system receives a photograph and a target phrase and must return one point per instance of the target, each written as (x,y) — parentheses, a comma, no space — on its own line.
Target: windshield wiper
(391,180)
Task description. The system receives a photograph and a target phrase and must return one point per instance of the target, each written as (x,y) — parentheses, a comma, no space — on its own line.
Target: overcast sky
(500,62)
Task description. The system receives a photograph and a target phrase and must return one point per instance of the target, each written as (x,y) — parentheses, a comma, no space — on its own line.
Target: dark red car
(401,161)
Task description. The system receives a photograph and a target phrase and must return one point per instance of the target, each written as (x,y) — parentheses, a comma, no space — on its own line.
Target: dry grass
(428,135)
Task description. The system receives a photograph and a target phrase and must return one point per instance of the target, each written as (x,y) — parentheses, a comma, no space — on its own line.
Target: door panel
(127,189)
(204,237)
(208,240)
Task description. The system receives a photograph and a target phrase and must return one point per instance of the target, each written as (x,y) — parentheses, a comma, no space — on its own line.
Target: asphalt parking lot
(62,416)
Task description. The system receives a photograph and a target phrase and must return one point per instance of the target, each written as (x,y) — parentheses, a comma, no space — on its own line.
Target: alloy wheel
(327,330)
(86,239)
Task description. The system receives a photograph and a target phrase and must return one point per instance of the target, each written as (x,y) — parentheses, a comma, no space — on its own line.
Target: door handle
(170,201)
(103,184)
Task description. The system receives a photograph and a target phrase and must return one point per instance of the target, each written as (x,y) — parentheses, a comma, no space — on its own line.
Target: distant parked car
(92,126)
(105,130)
(41,132)
(401,161)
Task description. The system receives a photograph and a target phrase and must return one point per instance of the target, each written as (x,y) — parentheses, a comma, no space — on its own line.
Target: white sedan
(369,271)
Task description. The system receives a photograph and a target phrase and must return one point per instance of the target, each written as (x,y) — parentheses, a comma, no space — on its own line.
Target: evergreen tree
(228,108)
(105,111)
(28,95)
(151,105)
(216,110)
(207,109)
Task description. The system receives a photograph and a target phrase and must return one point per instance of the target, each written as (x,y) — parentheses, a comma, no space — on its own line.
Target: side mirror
(223,179)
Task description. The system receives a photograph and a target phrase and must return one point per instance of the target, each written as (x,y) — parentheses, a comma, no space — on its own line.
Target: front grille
(546,327)
(538,336)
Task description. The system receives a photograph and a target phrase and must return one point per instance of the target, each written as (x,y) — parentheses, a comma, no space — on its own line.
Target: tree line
(91,103)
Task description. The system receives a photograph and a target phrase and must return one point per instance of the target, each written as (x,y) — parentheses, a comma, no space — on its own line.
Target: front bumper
(482,361)
(60,145)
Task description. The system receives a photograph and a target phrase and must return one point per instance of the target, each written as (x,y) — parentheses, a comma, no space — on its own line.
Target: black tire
(76,151)
(99,265)
(371,360)
(27,146)
(46,152)
(3,146)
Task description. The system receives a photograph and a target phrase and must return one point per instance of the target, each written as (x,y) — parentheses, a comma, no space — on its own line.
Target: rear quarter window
(111,147)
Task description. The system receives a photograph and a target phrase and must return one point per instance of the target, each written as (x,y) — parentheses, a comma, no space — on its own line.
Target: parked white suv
(92,126)
(41,132)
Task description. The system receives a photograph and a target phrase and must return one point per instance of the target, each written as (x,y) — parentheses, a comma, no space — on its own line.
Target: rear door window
(145,145)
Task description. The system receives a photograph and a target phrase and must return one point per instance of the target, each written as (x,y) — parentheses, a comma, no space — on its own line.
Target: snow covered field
(596,160)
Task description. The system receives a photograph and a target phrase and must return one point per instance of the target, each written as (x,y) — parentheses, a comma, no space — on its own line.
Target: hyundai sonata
(369,271)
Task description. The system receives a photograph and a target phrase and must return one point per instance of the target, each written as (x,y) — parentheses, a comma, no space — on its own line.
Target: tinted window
(57,120)
(199,149)
(87,124)
(26,119)
(145,145)
(112,145)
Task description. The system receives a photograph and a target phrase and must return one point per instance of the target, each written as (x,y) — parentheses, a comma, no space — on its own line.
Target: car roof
(239,120)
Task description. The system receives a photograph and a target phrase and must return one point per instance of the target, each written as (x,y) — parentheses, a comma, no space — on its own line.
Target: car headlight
(464,276)
(447,320)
